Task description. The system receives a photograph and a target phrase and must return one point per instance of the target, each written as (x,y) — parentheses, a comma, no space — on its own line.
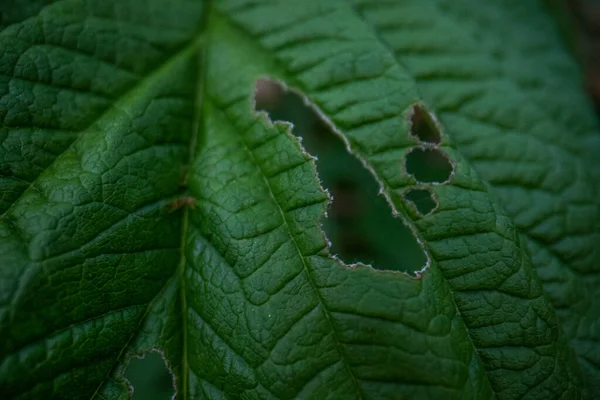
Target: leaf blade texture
(147,206)
(547,180)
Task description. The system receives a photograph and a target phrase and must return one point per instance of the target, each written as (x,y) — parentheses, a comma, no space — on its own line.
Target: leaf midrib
(194,45)
(198,103)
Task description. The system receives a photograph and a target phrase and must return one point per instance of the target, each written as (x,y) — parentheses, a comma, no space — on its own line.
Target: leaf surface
(526,128)
(116,114)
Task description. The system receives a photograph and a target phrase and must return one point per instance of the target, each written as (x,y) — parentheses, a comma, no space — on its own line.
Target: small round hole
(423,126)
(428,165)
(422,199)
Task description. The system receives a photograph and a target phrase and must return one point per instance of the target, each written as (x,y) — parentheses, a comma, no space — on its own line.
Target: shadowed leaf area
(150,378)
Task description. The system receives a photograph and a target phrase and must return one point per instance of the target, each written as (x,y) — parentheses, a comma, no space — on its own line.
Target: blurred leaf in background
(150,378)
(579,21)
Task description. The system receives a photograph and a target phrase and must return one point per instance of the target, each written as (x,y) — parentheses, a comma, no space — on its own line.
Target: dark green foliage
(146,205)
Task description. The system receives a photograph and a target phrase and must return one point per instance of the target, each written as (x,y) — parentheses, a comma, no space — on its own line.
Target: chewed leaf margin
(289,128)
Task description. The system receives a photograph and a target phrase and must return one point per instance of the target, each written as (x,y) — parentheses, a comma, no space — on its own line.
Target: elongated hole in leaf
(422,199)
(428,165)
(150,378)
(423,126)
(360,224)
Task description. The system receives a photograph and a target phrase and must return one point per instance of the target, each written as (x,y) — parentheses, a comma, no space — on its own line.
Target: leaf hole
(423,126)
(429,165)
(422,199)
(150,377)
(267,95)
(359,224)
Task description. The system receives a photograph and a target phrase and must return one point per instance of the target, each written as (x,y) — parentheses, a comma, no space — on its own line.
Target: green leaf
(145,205)
(527,129)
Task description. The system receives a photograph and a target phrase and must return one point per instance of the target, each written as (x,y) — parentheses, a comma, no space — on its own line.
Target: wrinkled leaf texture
(113,110)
